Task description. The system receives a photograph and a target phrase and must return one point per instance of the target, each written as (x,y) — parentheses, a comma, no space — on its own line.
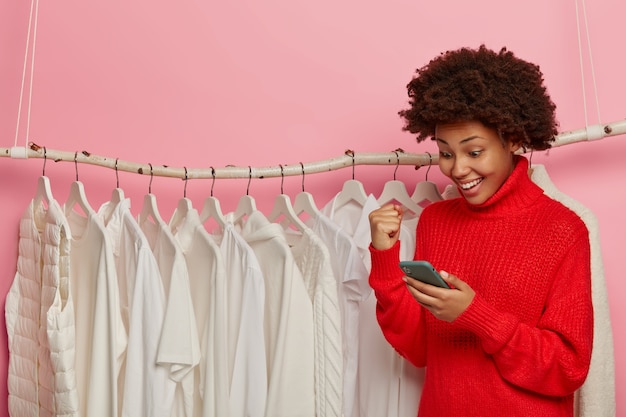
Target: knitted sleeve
(400,317)
(551,358)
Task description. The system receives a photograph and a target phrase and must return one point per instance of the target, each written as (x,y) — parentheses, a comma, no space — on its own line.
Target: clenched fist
(385,226)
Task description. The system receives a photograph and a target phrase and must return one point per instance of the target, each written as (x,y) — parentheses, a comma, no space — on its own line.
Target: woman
(513,336)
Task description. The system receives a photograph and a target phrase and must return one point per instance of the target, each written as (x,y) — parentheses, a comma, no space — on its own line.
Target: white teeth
(469,185)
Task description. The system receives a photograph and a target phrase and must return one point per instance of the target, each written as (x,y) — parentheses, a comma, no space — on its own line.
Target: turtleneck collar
(517,193)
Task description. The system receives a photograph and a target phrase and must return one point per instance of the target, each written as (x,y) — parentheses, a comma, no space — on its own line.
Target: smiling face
(475,158)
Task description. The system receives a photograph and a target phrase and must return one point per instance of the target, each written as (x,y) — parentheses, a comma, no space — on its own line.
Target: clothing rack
(349,159)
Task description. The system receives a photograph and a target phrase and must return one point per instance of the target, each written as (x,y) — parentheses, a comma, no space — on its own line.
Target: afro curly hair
(495,88)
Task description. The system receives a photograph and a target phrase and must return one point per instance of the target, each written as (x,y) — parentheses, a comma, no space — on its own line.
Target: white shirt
(353,219)
(389,385)
(245,341)
(288,322)
(100,333)
(145,385)
(207,282)
(179,346)
(386,383)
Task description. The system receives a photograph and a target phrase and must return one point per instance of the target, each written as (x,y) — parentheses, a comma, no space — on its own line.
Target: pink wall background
(205,83)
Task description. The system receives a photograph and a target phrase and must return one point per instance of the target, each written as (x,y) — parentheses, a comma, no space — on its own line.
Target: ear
(514,147)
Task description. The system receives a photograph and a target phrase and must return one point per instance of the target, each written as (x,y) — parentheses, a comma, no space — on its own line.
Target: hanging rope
(593,132)
(17,151)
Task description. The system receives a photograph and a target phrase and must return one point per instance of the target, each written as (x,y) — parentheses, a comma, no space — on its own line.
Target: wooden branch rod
(349,159)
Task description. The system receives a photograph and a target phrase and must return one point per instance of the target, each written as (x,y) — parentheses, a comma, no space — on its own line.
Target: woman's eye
(474,154)
(445,155)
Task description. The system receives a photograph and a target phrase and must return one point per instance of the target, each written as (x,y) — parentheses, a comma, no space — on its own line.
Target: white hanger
(211,208)
(117,196)
(182,209)
(149,210)
(426,191)
(77,198)
(395,190)
(304,203)
(283,208)
(77,195)
(352,189)
(246,205)
(44,192)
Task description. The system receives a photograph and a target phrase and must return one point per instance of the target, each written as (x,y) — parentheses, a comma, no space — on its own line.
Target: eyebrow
(468,139)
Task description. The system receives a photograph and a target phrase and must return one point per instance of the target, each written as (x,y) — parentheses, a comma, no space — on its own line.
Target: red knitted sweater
(523,345)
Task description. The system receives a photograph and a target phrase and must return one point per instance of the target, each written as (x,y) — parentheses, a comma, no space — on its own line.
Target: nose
(460,167)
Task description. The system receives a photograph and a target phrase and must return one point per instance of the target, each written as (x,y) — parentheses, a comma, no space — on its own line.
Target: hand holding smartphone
(423,271)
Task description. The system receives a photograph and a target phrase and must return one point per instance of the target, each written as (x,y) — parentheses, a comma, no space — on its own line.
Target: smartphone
(423,271)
